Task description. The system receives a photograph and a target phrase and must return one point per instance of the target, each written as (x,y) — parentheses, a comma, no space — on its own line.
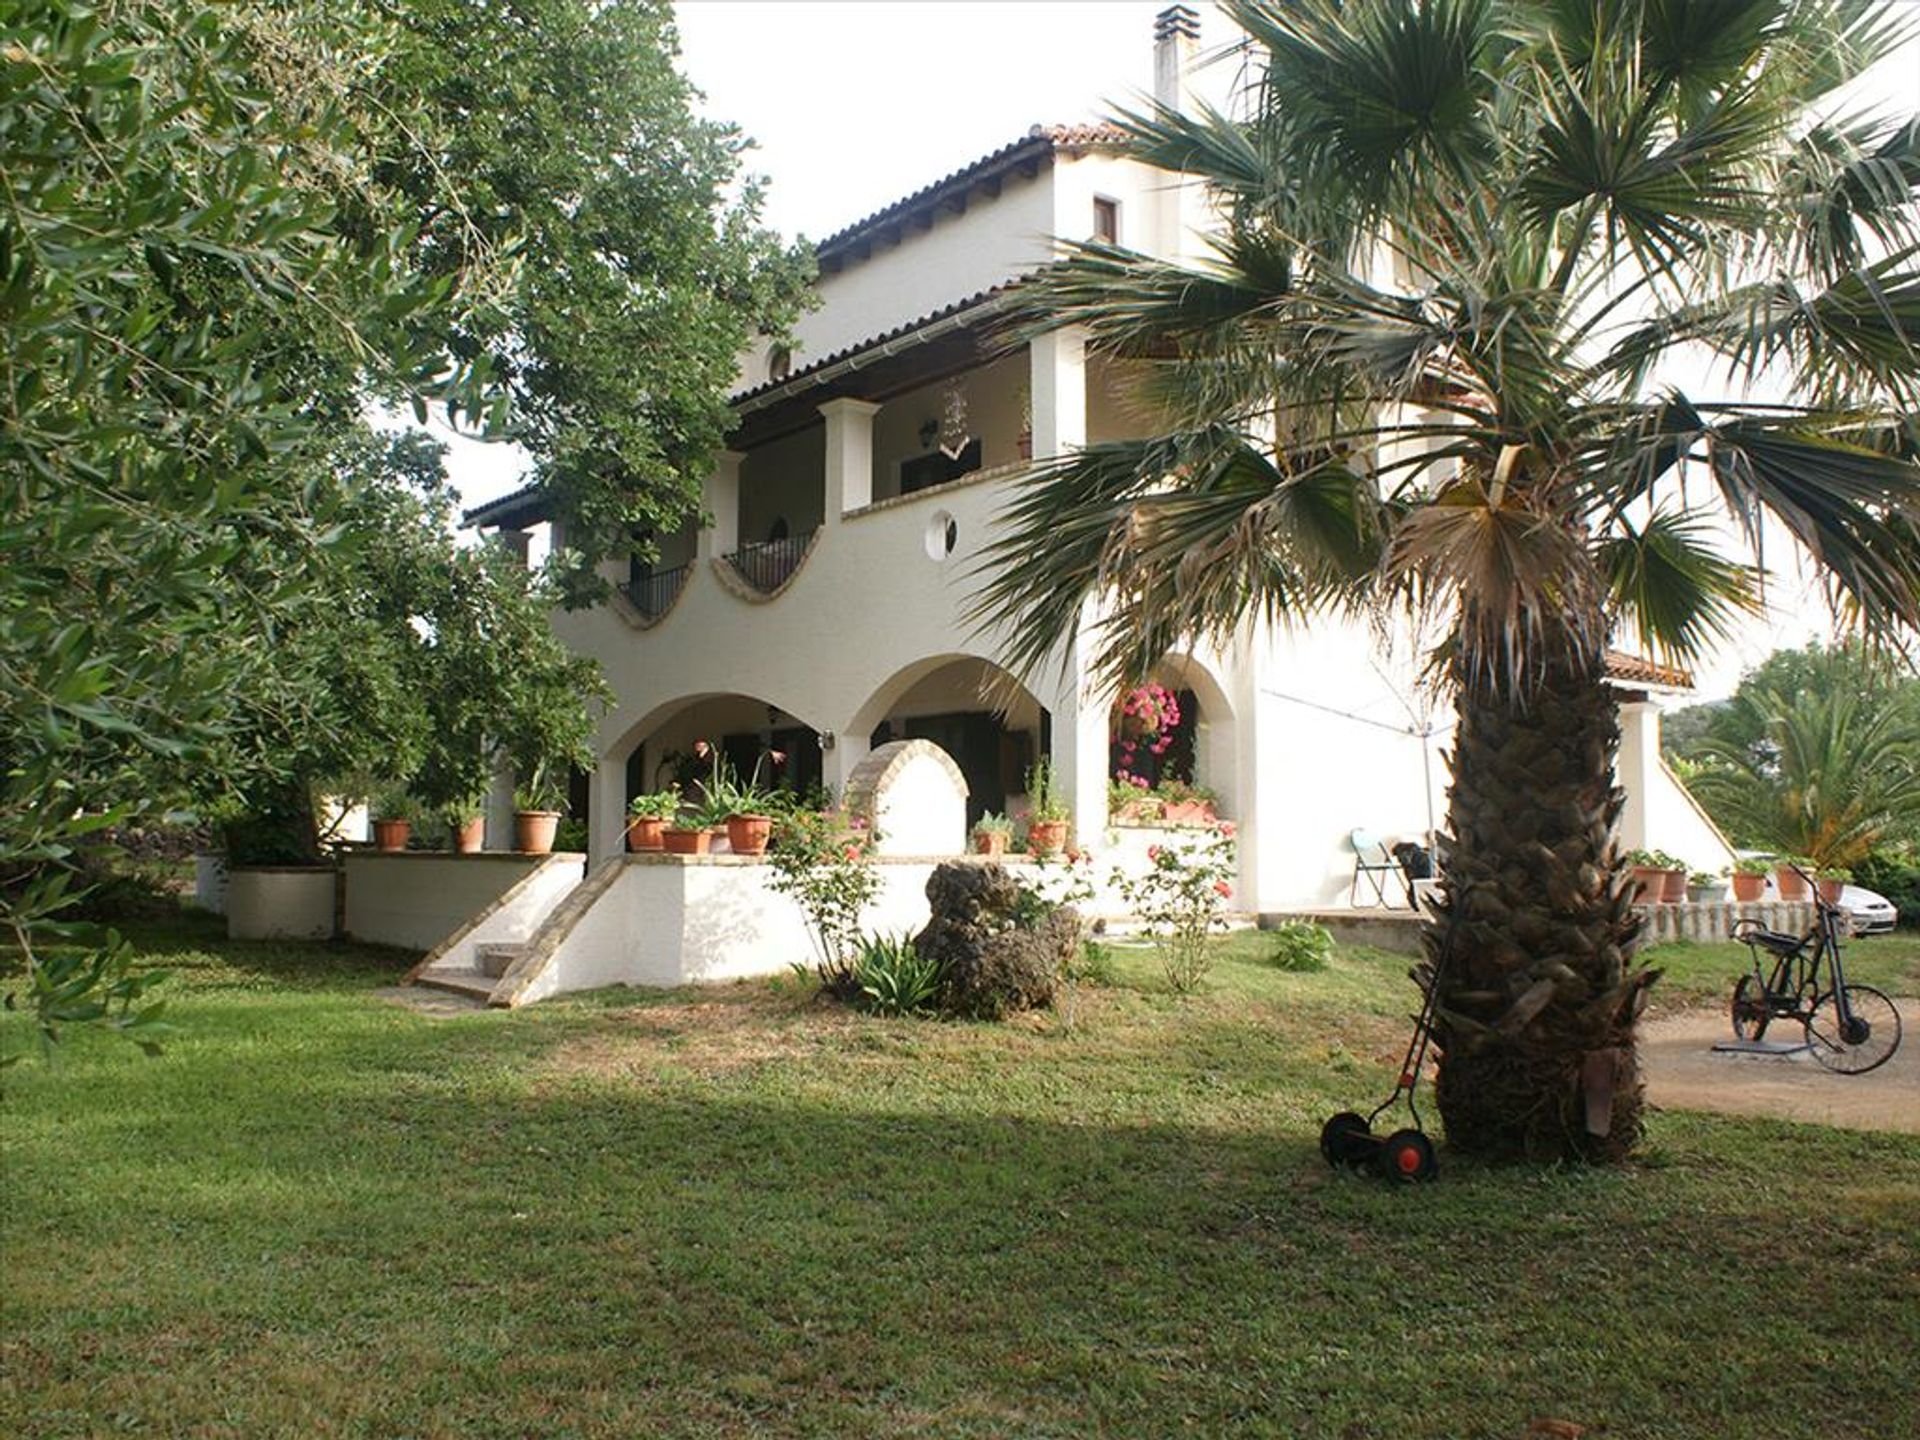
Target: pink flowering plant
(1181,899)
(1143,726)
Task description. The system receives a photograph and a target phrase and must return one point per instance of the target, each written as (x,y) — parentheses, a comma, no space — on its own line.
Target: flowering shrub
(827,867)
(1180,898)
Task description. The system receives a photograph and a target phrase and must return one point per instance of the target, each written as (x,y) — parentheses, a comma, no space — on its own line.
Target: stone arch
(934,815)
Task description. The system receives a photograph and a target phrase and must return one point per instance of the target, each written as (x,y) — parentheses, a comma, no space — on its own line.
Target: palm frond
(1671,584)
(1174,539)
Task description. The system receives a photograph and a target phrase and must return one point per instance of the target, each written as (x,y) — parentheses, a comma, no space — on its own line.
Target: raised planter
(280,902)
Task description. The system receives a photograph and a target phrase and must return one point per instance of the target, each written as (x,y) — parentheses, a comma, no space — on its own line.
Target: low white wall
(514,916)
(667,920)
(418,898)
(280,903)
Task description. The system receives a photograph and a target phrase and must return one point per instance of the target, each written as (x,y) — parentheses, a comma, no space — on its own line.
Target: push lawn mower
(1402,1156)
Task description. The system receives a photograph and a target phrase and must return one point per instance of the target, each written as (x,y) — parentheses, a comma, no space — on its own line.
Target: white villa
(820,613)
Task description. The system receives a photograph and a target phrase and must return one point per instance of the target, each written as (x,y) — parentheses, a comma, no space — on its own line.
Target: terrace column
(849,456)
(722,502)
(607,811)
(1636,768)
(1058,380)
(839,762)
(1080,744)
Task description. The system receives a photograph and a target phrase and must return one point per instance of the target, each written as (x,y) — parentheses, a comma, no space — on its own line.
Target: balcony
(653,594)
(766,565)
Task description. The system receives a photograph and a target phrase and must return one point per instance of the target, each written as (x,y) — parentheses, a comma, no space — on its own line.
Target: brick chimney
(1176,40)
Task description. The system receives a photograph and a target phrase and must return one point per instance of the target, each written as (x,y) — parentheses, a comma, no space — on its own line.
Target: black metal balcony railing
(653,595)
(766,565)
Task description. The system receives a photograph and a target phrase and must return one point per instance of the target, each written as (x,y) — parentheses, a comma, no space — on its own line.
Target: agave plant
(1461,243)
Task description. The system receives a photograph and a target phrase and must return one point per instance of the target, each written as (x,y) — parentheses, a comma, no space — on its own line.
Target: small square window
(1106,220)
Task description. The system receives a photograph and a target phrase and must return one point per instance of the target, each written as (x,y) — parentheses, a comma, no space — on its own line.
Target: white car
(1869,913)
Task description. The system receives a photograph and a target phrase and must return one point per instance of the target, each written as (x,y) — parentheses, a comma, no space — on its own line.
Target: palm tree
(1832,773)
(1459,239)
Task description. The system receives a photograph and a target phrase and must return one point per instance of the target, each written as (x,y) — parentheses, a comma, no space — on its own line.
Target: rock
(998,953)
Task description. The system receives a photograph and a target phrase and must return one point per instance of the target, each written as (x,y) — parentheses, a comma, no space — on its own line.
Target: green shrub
(1894,871)
(894,977)
(1300,945)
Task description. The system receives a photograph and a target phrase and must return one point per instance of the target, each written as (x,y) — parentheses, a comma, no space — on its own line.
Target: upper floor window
(1106,220)
(779,363)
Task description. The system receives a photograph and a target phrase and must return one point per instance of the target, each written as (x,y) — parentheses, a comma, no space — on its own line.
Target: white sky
(853,104)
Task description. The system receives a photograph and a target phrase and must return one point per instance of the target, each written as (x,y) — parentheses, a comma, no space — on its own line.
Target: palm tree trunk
(1538,999)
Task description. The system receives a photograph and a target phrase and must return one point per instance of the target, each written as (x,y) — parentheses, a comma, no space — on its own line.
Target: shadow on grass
(395,1227)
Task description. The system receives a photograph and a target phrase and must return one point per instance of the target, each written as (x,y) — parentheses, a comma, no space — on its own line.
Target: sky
(853,104)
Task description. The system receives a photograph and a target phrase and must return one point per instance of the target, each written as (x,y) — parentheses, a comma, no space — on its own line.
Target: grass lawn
(735,1212)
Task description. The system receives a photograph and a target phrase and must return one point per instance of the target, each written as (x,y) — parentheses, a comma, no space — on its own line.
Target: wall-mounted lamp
(826,740)
(929,432)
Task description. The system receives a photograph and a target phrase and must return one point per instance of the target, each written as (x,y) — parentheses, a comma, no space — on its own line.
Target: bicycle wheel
(1751,1012)
(1868,1038)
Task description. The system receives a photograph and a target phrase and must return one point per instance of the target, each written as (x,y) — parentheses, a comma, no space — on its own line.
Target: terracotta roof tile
(1633,669)
(1040,140)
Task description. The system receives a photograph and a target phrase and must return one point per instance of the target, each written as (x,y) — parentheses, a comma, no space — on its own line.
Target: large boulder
(998,948)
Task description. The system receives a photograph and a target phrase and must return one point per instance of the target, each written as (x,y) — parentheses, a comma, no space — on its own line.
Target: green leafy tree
(230,231)
(1458,240)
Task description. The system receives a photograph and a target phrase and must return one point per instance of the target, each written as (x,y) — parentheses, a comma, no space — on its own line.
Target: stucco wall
(417,899)
(784,480)
(292,903)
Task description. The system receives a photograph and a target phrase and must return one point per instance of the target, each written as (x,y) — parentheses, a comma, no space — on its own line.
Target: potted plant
(393,811)
(991,833)
(1750,878)
(647,817)
(1131,802)
(468,828)
(746,810)
(1185,804)
(690,834)
(1705,889)
(536,810)
(1788,878)
(1673,890)
(1832,879)
(1046,811)
(1649,876)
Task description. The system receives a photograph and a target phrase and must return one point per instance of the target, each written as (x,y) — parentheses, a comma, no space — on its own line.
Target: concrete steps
(496,957)
(475,984)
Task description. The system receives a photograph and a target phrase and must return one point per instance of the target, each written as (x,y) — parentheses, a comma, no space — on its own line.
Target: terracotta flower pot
(470,836)
(643,832)
(1189,812)
(1047,837)
(1791,886)
(685,842)
(990,842)
(1674,890)
(748,834)
(1830,890)
(533,831)
(1650,884)
(391,835)
(1748,888)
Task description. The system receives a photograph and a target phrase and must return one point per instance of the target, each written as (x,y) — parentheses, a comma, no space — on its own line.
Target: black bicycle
(1850,1029)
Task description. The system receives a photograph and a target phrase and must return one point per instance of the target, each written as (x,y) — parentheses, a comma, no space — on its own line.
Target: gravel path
(1685,1073)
